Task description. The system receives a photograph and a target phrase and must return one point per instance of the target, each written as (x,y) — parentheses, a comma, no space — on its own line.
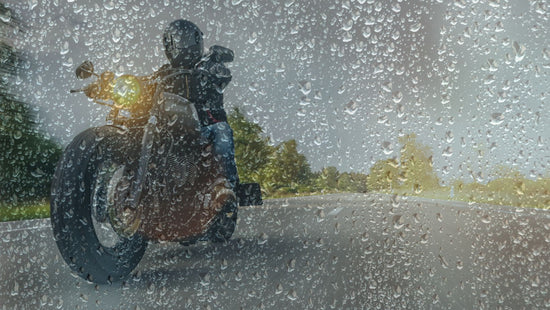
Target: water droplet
(17,134)
(397,96)
(449,137)
(448,152)
(519,51)
(320,216)
(291,265)
(387,147)
(64,48)
(151,288)
(15,290)
(443,262)
(305,87)
(489,79)
(497,118)
(262,239)
(109,5)
(37,173)
(347,37)
(366,32)
(398,221)
(305,101)
(397,291)
(347,25)
(415,27)
(6,17)
(253,86)
(541,8)
(387,86)
(292,295)
(289,3)
(252,38)
(317,141)
(400,110)
(116,35)
(396,7)
(424,238)
(351,107)
(491,65)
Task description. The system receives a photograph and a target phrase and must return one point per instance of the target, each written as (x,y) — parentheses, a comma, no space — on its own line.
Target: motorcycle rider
(184,48)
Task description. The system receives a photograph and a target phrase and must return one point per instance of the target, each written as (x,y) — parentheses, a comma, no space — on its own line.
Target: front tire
(93,165)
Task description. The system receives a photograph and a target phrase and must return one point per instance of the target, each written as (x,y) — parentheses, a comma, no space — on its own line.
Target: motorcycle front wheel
(92,175)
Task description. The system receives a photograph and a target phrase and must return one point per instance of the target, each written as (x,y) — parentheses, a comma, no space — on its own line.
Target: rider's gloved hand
(92,90)
(101,89)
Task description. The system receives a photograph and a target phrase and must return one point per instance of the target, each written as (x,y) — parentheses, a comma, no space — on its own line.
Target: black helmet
(183,43)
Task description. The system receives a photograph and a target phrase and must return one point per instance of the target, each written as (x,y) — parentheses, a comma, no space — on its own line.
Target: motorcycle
(146,176)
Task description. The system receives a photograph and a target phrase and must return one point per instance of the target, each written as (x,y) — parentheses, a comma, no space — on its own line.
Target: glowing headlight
(126,90)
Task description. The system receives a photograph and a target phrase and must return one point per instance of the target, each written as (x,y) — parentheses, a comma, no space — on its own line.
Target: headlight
(126,90)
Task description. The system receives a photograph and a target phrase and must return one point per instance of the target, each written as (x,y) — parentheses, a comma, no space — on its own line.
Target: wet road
(324,252)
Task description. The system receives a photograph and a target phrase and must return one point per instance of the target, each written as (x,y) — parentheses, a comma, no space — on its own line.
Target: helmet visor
(183,40)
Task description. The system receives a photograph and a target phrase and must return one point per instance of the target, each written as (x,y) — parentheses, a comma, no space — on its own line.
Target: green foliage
(287,168)
(24,212)
(252,150)
(328,178)
(352,182)
(383,175)
(282,170)
(413,172)
(28,159)
(510,189)
(416,169)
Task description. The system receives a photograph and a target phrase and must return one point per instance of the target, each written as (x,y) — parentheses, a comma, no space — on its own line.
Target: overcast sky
(344,78)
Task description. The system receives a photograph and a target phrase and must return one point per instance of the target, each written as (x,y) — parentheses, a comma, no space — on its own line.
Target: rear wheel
(224,223)
(91,178)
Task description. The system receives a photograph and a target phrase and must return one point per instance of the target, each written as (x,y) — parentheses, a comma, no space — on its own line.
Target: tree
(252,150)
(287,168)
(28,159)
(416,168)
(328,178)
(345,182)
(383,175)
(352,182)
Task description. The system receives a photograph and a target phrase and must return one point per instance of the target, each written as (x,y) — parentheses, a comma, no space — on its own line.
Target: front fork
(125,214)
(144,156)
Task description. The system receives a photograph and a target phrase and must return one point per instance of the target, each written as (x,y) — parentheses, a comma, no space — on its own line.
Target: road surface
(325,252)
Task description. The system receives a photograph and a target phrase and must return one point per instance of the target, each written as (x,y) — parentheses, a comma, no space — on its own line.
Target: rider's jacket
(203,86)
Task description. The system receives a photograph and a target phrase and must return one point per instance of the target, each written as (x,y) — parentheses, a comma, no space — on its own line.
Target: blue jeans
(221,136)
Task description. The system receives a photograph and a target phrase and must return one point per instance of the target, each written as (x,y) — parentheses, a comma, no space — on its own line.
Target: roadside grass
(26,211)
(482,195)
(478,194)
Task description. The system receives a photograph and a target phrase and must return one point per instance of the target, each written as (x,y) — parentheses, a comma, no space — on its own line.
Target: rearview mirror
(221,54)
(85,70)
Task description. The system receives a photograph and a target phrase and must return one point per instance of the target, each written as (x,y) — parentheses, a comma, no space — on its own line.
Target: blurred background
(351,82)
